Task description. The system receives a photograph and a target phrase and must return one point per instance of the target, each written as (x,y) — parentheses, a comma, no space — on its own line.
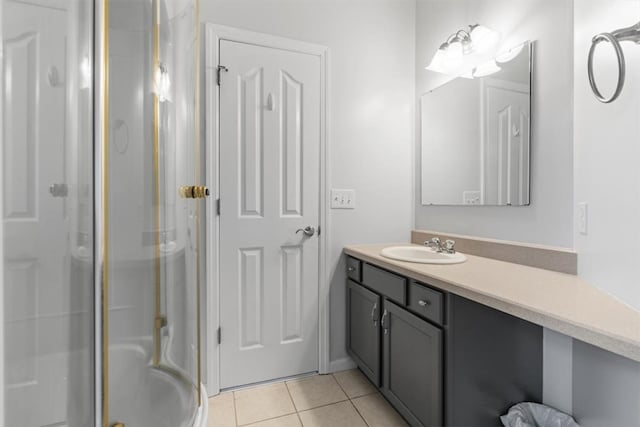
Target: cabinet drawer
(354,269)
(426,302)
(388,284)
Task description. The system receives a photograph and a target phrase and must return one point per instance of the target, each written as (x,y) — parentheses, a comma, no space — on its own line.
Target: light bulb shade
(437,63)
(486,69)
(509,55)
(454,54)
(484,39)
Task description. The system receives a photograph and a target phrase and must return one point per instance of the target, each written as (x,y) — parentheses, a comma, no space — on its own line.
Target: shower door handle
(194,192)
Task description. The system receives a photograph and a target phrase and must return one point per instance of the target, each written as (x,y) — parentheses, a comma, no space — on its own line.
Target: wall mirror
(475,136)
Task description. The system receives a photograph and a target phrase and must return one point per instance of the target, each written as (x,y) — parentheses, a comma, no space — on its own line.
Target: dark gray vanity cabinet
(363,337)
(412,366)
(438,358)
(494,360)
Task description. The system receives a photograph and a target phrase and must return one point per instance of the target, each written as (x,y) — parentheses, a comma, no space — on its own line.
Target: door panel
(413,375)
(36,274)
(269,189)
(506,164)
(363,330)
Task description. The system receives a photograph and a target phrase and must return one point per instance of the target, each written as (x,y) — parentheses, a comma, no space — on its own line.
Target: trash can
(528,414)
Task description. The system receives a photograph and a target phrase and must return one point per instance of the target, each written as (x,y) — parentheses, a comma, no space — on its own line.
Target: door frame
(2,88)
(213,35)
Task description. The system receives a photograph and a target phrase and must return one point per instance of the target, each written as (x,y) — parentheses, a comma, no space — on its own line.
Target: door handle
(193,191)
(374,318)
(384,328)
(59,190)
(308,230)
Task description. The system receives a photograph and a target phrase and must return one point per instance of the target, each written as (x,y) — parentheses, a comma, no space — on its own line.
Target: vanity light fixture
(509,54)
(464,53)
(486,69)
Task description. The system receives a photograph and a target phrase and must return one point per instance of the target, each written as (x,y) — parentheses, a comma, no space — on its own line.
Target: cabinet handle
(373,314)
(351,269)
(384,316)
(423,303)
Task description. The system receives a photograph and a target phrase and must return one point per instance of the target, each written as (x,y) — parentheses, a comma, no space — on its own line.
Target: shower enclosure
(103,216)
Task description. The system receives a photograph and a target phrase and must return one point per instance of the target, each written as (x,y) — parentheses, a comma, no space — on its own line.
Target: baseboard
(343,364)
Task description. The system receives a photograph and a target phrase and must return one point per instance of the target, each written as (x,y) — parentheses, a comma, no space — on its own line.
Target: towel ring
(624,34)
(622,67)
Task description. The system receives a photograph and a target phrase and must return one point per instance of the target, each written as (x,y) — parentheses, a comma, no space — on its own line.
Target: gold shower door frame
(102,204)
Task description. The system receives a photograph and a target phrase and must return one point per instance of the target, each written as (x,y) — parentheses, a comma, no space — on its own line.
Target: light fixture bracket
(473,53)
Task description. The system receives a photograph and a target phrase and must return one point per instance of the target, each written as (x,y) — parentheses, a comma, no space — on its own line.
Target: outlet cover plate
(583,218)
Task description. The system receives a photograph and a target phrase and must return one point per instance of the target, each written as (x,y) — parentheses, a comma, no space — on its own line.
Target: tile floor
(345,398)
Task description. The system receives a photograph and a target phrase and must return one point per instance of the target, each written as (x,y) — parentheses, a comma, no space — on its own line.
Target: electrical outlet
(583,217)
(471,197)
(343,199)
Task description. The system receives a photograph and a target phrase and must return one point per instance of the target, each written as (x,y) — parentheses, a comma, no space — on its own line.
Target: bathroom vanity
(457,345)
(440,359)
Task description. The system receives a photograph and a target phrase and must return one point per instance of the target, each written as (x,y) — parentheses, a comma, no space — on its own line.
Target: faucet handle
(435,243)
(449,246)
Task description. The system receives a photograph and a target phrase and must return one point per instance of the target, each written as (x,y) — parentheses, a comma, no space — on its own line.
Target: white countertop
(557,301)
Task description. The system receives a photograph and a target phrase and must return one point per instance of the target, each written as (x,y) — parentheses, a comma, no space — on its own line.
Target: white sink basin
(422,255)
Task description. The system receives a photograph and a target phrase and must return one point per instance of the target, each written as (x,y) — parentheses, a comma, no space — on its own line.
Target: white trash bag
(529,414)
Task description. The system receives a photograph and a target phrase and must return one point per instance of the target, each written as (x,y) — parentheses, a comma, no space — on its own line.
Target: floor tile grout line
(267,419)
(235,410)
(297,411)
(345,392)
(340,385)
(319,406)
(325,405)
(358,412)
(295,407)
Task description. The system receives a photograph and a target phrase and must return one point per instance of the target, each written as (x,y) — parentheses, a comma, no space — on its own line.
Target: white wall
(607,149)
(371,110)
(549,22)
(606,387)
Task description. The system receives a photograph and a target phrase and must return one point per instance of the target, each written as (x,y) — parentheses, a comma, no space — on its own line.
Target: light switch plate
(583,217)
(343,199)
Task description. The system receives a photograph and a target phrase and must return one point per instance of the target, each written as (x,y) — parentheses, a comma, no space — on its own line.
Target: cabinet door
(363,330)
(413,374)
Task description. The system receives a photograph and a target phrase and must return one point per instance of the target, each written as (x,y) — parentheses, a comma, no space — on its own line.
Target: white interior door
(37,292)
(506,157)
(269,188)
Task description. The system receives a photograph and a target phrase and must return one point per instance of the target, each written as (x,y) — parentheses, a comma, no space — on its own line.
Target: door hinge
(219,335)
(218,207)
(219,71)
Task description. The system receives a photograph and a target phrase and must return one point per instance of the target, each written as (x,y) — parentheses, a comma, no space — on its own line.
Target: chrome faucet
(448,247)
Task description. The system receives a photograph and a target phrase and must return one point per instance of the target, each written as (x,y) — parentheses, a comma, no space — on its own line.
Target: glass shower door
(46,289)
(152,198)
